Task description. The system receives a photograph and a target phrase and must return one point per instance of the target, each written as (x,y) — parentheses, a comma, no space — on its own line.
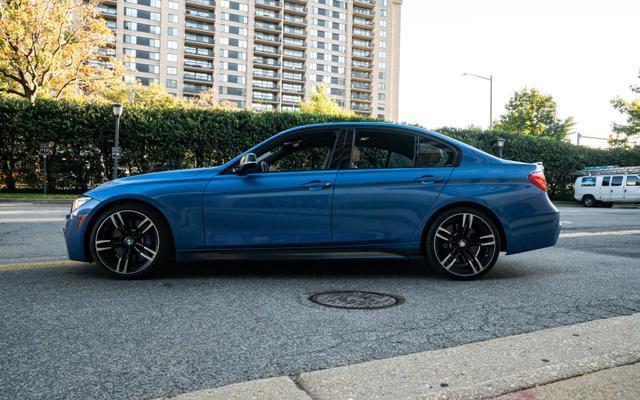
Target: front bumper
(75,230)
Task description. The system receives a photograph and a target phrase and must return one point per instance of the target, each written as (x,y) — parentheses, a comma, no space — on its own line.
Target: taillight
(538,179)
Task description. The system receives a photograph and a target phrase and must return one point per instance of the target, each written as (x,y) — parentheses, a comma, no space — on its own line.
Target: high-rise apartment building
(264,54)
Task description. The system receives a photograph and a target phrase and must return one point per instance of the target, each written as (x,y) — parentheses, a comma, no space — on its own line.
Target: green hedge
(169,138)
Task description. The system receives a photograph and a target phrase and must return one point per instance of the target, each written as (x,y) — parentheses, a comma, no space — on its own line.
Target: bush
(154,139)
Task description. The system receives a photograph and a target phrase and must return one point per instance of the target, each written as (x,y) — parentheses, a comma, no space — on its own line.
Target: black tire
(589,201)
(466,236)
(134,233)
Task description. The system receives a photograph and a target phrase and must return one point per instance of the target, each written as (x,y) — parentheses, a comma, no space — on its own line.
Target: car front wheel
(130,241)
(462,243)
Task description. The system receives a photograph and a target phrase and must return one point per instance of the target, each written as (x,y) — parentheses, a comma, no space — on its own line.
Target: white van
(607,189)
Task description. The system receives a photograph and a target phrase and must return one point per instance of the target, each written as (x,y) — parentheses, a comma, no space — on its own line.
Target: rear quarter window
(589,181)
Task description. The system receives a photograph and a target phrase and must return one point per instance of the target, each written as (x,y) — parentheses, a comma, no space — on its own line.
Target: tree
(321,103)
(209,99)
(533,113)
(154,95)
(631,110)
(49,48)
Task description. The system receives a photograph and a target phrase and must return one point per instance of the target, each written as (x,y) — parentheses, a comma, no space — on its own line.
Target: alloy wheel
(465,244)
(127,242)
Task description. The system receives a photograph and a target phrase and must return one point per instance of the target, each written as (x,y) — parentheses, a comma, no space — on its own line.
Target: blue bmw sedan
(339,190)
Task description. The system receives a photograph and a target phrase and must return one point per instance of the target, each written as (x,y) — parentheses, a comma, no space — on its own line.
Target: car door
(288,206)
(386,189)
(605,189)
(617,188)
(632,189)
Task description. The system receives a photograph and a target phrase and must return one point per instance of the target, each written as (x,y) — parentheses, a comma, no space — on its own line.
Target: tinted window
(606,180)
(302,153)
(383,150)
(589,181)
(432,153)
(616,181)
(633,180)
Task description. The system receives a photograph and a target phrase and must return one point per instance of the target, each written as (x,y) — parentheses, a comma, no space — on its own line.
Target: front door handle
(428,179)
(316,185)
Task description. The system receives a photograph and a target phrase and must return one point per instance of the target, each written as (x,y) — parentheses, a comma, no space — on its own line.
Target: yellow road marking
(40,264)
(610,233)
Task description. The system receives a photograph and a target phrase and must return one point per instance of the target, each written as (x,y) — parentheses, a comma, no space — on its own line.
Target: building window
(172,44)
(171,31)
(172,57)
(172,71)
(172,83)
(172,18)
(173,5)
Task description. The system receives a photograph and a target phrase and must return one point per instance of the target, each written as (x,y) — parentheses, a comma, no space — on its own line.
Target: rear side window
(606,180)
(633,180)
(589,181)
(432,153)
(375,150)
(616,181)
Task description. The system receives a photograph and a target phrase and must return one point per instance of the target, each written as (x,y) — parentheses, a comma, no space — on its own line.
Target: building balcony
(268,4)
(362,33)
(295,43)
(271,86)
(197,64)
(293,65)
(362,65)
(199,14)
(267,15)
(295,8)
(365,3)
(362,44)
(362,22)
(292,77)
(362,54)
(209,4)
(265,74)
(107,12)
(199,39)
(361,86)
(290,89)
(266,27)
(267,39)
(266,62)
(198,52)
(194,89)
(198,77)
(361,97)
(296,32)
(265,97)
(363,108)
(295,20)
(299,55)
(362,76)
(259,49)
(198,26)
(364,12)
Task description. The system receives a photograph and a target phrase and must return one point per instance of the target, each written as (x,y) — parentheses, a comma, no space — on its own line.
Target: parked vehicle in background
(607,186)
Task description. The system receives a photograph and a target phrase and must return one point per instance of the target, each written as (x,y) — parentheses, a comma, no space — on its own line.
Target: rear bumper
(533,233)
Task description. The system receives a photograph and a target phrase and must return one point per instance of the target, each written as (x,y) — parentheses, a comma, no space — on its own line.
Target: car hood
(154,177)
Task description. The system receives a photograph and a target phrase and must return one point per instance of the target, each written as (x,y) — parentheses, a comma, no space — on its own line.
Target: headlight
(78,202)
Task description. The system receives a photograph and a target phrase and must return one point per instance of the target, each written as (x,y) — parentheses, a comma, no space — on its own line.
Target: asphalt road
(73,333)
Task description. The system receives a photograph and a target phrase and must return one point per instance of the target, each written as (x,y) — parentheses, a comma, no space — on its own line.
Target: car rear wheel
(130,241)
(463,243)
(589,201)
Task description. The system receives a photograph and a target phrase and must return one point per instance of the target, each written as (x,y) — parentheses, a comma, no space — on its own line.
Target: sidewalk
(592,360)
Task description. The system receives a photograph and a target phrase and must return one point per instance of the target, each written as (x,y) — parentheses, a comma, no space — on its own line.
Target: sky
(581,52)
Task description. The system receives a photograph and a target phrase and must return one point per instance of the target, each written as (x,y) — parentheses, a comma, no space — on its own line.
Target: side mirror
(248,163)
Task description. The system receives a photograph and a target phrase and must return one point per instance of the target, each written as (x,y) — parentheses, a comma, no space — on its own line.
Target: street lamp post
(490,79)
(500,146)
(115,151)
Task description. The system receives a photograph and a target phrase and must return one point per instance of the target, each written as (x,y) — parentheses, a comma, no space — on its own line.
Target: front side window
(375,150)
(616,181)
(589,181)
(633,180)
(300,153)
(605,181)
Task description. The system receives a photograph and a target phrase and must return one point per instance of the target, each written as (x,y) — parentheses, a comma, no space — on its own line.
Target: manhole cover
(355,299)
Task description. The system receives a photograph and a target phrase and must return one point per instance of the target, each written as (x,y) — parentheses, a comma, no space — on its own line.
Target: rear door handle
(316,185)
(428,179)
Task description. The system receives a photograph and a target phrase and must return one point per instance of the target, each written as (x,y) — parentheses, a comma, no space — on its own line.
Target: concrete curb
(38,201)
(40,265)
(472,371)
